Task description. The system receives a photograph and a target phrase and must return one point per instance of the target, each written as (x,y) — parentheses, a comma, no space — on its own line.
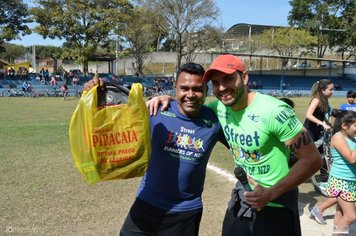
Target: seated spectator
(64,91)
(337,86)
(38,78)
(254,85)
(75,80)
(29,88)
(11,73)
(24,86)
(53,81)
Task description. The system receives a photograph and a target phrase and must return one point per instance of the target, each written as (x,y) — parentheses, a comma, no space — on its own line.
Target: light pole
(117,55)
(34,65)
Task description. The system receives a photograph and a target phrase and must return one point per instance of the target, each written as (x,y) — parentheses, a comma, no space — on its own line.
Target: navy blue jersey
(181,147)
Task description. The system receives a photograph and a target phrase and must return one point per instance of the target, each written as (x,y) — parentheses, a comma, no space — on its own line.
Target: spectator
(254,85)
(38,78)
(24,74)
(43,81)
(46,75)
(11,73)
(53,81)
(75,80)
(64,91)
(42,73)
(29,88)
(24,86)
(316,120)
(350,105)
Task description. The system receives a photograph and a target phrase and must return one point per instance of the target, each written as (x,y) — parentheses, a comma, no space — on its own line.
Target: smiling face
(191,93)
(230,89)
(350,100)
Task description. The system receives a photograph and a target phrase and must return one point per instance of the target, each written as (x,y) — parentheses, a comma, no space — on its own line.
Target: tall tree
(50,51)
(12,52)
(203,40)
(140,34)
(287,41)
(184,17)
(322,18)
(347,39)
(83,25)
(14,17)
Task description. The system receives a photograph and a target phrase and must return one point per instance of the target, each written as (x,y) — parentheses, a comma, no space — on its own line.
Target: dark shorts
(270,221)
(144,219)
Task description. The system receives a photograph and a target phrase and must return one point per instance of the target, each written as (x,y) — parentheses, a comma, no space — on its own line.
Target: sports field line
(222,172)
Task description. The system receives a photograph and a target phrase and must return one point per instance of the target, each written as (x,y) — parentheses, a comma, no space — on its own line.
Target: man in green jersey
(262,132)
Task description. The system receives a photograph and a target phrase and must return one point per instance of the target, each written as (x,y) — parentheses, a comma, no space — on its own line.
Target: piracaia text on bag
(114,138)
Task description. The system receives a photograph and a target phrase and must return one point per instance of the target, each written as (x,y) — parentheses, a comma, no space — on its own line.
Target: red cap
(227,64)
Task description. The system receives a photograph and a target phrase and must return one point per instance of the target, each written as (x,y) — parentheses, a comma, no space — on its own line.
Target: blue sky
(262,12)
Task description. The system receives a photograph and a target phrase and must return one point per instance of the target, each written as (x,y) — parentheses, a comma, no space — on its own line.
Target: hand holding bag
(110,141)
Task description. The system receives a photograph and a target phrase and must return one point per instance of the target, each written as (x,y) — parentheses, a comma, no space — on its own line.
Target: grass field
(42,193)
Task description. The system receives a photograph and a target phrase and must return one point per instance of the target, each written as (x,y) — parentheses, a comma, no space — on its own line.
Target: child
(342,179)
(64,90)
(350,105)
(316,121)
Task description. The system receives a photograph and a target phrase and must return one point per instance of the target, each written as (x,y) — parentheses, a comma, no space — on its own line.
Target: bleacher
(38,87)
(300,82)
(268,83)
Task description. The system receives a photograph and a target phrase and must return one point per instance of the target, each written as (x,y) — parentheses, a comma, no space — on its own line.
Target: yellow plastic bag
(112,142)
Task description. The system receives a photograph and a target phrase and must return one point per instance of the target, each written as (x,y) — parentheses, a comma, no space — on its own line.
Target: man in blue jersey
(168,201)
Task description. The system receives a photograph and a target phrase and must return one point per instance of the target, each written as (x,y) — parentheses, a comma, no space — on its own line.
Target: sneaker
(340,229)
(317,215)
(323,185)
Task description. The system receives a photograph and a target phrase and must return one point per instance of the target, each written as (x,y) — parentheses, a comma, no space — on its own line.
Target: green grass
(43,193)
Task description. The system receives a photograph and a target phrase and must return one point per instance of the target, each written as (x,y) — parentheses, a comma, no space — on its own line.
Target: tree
(12,52)
(205,39)
(287,41)
(14,17)
(83,25)
(347,39)
(141,35)
(322,18)
(49,51)
(183,17)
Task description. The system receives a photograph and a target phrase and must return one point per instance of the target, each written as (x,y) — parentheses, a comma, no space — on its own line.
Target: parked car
(147,84)
(302,65)
(76,71)
(328,64)
(350,64)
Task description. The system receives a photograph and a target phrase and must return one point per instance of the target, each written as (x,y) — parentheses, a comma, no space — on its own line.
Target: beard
(236,97)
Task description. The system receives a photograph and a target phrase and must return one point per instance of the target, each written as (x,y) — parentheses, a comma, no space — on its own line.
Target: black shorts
(144,219)
(270,221)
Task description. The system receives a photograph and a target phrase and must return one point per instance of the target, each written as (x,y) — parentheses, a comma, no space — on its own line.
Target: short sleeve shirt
(256,136)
